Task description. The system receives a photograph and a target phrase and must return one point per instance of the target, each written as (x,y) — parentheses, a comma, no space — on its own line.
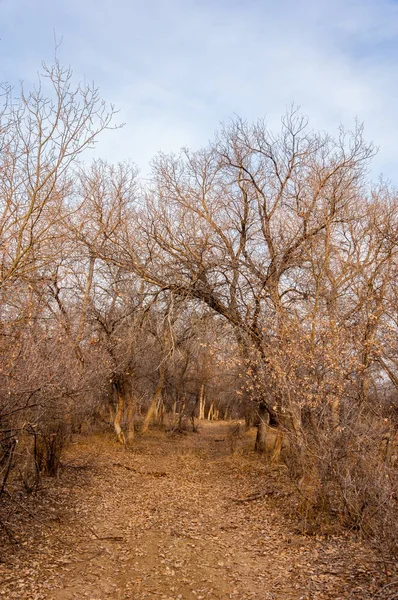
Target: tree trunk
(181,415)
(261,438)
(277,447)
(202,402)
(119,412)
(154,403)
(130,421)
(159,412)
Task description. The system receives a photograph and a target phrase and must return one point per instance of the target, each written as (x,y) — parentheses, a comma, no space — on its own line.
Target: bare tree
(232,225)
(43,132)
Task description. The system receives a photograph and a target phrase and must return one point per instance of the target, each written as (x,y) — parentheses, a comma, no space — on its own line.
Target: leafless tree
(42,135)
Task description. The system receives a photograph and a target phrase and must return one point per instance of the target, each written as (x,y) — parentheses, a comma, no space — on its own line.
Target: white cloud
(176,68)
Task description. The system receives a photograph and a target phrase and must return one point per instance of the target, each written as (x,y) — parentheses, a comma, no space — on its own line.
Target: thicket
(255,277)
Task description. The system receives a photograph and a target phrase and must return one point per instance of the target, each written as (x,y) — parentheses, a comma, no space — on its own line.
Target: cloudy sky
(177,68)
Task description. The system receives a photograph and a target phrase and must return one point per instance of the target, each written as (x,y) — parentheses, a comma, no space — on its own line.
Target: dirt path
(168,521)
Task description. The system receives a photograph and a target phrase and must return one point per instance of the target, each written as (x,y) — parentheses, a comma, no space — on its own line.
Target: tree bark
(261,438)
(202,402)
(119,412)
(154,401)
(130,421)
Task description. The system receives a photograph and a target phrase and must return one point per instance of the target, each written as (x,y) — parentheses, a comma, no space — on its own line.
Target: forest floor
(179,517)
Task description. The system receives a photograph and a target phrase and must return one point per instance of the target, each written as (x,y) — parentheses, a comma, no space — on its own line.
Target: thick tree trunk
(277,446)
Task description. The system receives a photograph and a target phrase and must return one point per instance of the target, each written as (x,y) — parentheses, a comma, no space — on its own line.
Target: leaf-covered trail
(168,521)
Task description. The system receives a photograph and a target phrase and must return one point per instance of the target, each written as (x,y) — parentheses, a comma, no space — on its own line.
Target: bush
(50,444)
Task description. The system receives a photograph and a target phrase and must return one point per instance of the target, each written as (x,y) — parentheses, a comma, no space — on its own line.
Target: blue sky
(176,68)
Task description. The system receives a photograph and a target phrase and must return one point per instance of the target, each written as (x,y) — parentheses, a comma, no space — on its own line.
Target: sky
(176,69)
